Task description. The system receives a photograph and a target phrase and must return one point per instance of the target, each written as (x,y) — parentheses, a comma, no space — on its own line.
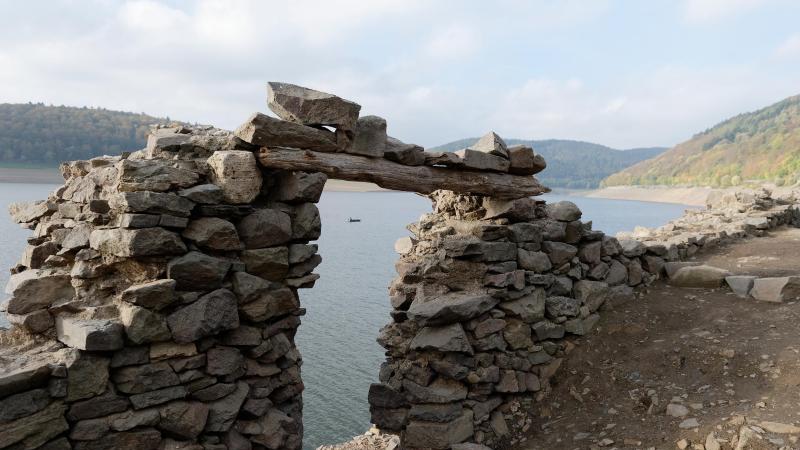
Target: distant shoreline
(45,175)
(693,196)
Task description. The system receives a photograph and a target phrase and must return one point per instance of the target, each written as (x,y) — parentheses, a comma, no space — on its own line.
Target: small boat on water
(351,220)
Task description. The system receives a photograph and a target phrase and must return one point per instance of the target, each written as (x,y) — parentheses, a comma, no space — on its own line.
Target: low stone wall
(486,293)
(728,216)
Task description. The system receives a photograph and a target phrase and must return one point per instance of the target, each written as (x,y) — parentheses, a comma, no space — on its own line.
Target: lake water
(350,304)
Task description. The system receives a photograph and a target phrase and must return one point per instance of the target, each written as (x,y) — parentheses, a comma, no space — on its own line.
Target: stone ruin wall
(157,301)
(491,296)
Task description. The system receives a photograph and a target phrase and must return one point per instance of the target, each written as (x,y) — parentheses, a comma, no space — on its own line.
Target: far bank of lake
(693,196)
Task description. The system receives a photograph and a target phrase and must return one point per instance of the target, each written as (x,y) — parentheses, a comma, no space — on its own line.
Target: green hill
(759,146)
(35,135)
(573,164)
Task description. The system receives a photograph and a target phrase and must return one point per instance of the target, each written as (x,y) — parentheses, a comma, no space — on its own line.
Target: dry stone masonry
(728,216)
(156,304)
(486,293)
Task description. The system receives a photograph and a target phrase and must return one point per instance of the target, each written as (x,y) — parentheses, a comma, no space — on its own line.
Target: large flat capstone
(309,107)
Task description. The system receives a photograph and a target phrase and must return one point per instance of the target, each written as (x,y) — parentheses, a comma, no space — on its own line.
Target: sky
(624,73)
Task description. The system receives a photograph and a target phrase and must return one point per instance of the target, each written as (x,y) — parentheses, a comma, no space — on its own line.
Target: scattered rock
(779,428)
(688,424)
(776,289)
(699,277)
(677,410)
(740,284)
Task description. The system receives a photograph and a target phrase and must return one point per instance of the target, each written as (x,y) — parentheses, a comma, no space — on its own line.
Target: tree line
(35,134)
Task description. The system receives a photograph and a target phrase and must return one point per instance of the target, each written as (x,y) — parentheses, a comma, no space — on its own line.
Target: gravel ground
(685,368)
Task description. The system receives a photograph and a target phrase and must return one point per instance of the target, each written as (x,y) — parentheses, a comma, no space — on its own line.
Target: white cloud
(790,48)
(452,43)
(435,71)
(151,16)
(662,107)
(704,11)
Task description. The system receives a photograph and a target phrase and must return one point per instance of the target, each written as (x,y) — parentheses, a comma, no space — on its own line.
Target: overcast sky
(621,73)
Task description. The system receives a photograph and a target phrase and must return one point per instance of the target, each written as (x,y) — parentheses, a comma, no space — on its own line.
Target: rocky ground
(685,368)
(371,440)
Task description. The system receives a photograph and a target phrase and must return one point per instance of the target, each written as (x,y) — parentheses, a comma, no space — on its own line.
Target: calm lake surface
(350,304)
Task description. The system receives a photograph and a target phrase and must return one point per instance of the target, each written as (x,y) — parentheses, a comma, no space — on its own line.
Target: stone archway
(156,305)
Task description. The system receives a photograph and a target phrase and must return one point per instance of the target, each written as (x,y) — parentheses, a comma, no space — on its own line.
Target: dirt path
(776,255)
(719,360)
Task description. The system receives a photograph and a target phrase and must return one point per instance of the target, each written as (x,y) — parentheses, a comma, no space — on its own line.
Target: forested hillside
(573,164)
(34,134)
(759,146)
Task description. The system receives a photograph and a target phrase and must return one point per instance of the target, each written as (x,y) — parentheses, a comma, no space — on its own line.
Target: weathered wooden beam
(391,175)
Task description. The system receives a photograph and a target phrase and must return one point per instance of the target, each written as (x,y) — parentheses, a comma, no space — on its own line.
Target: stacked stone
(728,216)
(159,291)
(305,114)
(489,293)
(486,293)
